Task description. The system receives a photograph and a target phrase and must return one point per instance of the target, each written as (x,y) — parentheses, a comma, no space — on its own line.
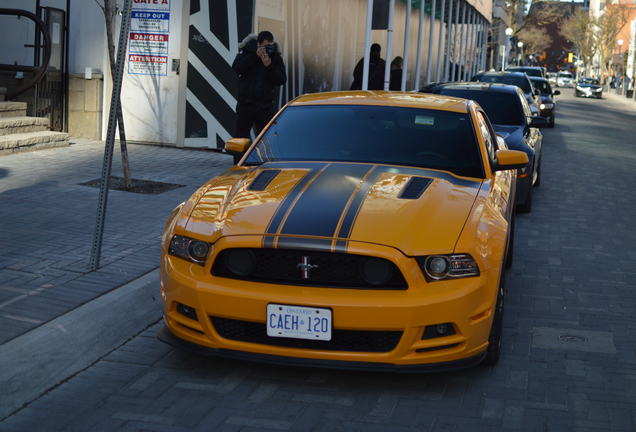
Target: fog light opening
(187,311)
(438,330)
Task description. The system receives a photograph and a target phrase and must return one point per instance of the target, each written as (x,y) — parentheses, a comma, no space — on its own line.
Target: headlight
(189,249)
(580,88)
(439,267)
(598,89)
(546,106)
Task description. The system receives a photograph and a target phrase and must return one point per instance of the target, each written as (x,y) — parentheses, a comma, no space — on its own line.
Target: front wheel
(495,340)
(526,207)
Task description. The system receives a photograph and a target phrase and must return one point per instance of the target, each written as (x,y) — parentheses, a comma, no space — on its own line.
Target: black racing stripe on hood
(320,207)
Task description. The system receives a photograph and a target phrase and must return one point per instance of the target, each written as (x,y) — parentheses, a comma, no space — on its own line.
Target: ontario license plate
(298,322)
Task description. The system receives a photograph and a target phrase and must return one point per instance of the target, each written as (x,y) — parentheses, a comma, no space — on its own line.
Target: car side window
(489,137)
(524,105)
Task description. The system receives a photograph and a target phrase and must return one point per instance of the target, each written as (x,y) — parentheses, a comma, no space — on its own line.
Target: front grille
(333,269)
(341,340)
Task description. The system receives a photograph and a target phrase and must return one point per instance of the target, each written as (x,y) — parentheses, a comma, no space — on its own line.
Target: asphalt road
(569,362)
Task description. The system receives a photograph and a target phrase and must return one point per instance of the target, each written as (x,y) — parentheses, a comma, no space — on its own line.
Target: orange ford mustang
(360,229)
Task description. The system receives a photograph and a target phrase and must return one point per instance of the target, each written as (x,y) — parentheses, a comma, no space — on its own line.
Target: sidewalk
(48,221)
(611,95)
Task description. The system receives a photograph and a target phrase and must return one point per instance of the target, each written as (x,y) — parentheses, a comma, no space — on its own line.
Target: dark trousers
(249,115)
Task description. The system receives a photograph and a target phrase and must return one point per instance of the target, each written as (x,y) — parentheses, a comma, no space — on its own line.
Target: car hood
(546,99)
(307,204)
(592,86)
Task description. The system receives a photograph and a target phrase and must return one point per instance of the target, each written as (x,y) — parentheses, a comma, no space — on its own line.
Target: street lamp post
(504,62)
(520,53)
(619,68)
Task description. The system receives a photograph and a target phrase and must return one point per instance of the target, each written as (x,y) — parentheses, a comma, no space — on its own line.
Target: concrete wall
(85,105)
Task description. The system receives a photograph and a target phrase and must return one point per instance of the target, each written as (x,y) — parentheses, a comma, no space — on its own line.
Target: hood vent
(415,187)
(263,179)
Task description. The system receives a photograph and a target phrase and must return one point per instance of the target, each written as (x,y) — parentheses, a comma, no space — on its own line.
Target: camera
(270,50)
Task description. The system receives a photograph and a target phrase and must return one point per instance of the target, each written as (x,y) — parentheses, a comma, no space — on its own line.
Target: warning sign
(150,22)
(147,65)
(151,4)
(149,43)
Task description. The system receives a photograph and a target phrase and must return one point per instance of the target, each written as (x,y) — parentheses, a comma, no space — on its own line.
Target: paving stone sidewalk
(48,220)
(569,361)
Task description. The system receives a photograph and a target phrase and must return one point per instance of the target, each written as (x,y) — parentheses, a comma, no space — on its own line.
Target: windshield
(588,81)
(375,134)
(520,81)
(501,108)
(565,75)
(543,86)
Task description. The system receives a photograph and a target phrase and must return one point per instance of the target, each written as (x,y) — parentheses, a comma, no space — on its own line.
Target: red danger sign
(149,37)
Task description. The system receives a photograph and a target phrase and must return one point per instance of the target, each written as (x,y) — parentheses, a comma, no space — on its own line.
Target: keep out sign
(147,65)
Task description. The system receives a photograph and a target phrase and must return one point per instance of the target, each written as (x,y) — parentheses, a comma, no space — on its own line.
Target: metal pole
(469,46)
(389,46)
(449,36)
(367,46)
(418,58)
(454,45)
(407,36)
(429,61)
(485,30)
(473,45)
(438,72)
(462,35)
(110,137)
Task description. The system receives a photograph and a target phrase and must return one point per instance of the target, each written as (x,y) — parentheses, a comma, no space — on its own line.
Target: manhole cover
(569,338)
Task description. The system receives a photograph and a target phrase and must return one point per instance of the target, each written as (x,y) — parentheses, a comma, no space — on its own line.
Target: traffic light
(570,57)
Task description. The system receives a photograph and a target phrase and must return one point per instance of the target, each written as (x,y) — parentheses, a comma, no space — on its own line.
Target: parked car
(360,229)
(520,79)
(588,87)
(531,71)
(552,78)
(548,104)
(511,118)
(565,79)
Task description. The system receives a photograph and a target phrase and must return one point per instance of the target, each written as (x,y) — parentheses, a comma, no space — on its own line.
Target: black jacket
(376,74)
(257,82)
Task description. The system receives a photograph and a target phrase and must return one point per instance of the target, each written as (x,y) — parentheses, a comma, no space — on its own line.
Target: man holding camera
(260,70)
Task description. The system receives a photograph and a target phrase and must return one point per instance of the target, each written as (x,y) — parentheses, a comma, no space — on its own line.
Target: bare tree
(580,29)
(109,9)
(609,25)
(534,40)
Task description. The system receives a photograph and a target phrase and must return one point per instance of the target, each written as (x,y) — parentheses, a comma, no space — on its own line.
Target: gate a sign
(157,5)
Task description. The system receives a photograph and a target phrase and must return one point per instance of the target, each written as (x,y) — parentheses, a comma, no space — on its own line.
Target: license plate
(298,322)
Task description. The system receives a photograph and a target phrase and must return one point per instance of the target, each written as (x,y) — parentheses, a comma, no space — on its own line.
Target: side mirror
(538,122)
(537,92)
(510,159)
(236,147)
(556,92)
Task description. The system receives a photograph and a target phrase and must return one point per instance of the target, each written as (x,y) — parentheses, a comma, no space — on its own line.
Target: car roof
(499,73)
(475,86)
(525,67)
(384,98)
(532,78)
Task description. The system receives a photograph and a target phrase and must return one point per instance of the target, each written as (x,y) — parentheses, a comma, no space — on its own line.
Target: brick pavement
(48,220)
(572,278)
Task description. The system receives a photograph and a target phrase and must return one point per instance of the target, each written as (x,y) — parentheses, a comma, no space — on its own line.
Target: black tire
(495,339)
(551,124)
(511,244)
(526,207)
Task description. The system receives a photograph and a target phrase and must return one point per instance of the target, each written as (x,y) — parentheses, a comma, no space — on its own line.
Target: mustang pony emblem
(305,266)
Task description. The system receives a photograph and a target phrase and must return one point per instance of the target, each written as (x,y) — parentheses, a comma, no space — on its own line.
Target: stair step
(12,109)
(16,125)
(32,141)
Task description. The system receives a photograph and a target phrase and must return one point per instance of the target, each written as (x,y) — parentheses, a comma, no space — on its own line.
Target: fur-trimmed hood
(250,43)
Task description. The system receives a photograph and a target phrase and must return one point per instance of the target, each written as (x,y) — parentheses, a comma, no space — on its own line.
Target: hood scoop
(263,179)
(415,187)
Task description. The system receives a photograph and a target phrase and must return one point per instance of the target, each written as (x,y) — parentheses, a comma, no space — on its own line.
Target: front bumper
(466,303)
(589,93)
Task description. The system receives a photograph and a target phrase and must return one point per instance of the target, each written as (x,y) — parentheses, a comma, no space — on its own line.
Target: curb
(55,351)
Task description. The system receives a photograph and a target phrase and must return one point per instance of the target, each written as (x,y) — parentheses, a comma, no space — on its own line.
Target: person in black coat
(376,70)
(396,74)
(260,70)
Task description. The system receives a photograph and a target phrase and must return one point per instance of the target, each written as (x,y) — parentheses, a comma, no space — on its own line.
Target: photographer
(260,70)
